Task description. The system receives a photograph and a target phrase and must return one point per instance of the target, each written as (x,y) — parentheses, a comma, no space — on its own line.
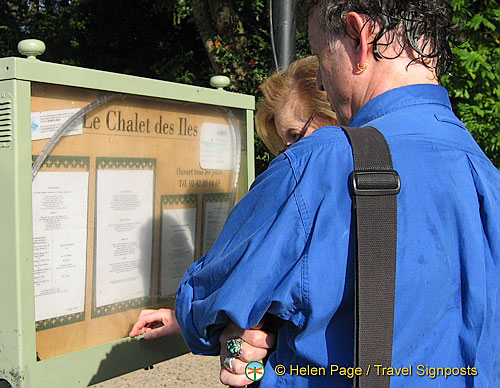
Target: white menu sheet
(177,247)
(60,202)
(214,218)
(124,235)
(45,124)
(216,147)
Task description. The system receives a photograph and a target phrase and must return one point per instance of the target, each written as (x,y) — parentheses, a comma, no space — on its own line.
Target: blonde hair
(297,81)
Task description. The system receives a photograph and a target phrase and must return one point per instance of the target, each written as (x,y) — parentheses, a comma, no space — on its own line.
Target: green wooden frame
(18,361)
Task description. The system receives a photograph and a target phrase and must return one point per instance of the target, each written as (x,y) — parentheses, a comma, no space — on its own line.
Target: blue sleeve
(254,266)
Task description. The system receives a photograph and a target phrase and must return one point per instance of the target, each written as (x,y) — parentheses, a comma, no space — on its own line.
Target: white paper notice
(216,147)
(215,216)
(177,247)
(45,124)
(59,242)
(124,235)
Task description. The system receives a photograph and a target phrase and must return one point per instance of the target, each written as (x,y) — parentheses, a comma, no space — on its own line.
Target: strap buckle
(375,182)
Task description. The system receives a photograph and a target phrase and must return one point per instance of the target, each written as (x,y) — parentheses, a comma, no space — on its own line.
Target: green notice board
(111,186)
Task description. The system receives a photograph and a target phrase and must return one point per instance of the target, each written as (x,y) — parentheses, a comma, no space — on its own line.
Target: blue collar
(399,98)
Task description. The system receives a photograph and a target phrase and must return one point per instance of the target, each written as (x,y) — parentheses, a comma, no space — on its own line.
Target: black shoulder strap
(375,185)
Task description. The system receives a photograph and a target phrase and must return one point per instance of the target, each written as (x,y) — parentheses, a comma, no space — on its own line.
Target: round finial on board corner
(31,48)
(219,81)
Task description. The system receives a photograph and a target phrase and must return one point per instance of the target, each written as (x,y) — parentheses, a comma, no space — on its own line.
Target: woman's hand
(255,346)
(156,324)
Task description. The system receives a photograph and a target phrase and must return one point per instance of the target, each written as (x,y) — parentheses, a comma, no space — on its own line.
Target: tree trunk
(228,21)
(203,21)
(219,20)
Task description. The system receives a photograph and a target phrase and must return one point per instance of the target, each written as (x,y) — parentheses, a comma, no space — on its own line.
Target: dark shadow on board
(137,354)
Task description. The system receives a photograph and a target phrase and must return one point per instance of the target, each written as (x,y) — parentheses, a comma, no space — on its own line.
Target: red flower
(217,44)
(260,86)
(226,47)
(252,63)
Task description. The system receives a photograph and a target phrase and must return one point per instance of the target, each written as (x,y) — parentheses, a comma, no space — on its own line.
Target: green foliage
(160,39)
(474,78)
(149,38)
(11,15)
(252,64)
(251,61)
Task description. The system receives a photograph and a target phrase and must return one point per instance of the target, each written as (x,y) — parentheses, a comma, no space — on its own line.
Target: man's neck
(386,75)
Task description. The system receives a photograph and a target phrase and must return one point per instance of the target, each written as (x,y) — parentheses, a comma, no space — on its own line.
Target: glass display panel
(127,191)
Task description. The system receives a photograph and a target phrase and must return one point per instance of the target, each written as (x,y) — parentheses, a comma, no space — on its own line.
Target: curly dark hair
(424,25)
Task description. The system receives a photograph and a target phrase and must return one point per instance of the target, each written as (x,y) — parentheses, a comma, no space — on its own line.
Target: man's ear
(358,30)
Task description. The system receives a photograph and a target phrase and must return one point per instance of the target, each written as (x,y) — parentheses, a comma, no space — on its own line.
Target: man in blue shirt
(286,249)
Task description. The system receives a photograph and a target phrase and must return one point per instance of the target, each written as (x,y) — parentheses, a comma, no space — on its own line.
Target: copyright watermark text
(379,370)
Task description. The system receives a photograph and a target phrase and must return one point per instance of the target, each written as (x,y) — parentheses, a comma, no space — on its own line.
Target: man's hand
(254,348)
(156,324)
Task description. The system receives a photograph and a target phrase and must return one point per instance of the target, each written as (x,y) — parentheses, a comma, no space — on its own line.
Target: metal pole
(283,31)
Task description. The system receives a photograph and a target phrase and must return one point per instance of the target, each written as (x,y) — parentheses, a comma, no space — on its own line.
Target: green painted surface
(93,365)
(35,70)
(250,148)
(17,326)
